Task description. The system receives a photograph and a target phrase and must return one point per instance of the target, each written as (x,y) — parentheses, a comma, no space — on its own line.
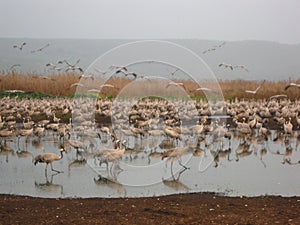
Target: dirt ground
(197,208)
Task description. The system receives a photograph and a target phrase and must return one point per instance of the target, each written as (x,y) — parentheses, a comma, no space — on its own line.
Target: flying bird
(278,96)
(73,68)
(53,66)
(220,45)
(242,67)
(94,90)
(175,84)
(203,89)
(20,47)
(77,85)
(255,91)
(106,85)
(226,65)
(177,69)
(208,50)
(126,73)
(14,66)
(118,67)
(40,49)
(140,76)
(70,66)
(91,76)
(291,85)
(214,48)
(101,71)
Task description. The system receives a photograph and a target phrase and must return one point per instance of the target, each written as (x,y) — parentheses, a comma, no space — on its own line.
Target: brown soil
(173,209)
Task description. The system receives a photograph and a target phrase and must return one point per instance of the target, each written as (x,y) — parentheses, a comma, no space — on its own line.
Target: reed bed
(60,85)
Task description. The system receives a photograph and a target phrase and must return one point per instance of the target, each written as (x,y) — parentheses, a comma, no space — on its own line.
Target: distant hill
(264,60)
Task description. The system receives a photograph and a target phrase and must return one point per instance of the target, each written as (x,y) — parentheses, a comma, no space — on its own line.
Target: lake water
(259,172)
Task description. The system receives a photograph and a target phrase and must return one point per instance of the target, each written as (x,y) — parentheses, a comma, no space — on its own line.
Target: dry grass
(59,85)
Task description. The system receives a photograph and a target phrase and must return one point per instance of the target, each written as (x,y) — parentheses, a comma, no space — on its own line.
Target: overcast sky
(230,20)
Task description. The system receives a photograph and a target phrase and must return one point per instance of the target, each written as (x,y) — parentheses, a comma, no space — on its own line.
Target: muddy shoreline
(196,208)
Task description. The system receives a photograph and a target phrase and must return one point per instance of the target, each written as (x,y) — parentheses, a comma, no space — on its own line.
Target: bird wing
(77,62)
(40,49)
(278,96)
(172,84)
(106,85)
(94,90)
(245,68)
(222,44)
(69,64)
(100,71)
(76,84)
(257,88)
(287,87)
(175,71)
(203,89)
(47,45)
(131,73)
(14,66)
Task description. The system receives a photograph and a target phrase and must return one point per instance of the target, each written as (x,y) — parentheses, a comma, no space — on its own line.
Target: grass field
(60,85)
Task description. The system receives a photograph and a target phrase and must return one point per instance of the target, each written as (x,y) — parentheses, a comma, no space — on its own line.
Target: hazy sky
(272,20)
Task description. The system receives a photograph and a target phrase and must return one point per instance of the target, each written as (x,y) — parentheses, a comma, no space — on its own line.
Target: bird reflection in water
(49,186)
(175,184)
(110,182)
(37,144)
(77,163)
(6,150)
(287,156)
(24,154)
(263,152)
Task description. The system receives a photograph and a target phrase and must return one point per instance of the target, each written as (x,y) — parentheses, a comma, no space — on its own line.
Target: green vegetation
(28,95)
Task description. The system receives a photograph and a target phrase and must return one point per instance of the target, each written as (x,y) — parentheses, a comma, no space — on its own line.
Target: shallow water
(251,175)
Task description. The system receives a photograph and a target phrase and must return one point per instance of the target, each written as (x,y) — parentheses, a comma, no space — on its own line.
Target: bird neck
(61,154)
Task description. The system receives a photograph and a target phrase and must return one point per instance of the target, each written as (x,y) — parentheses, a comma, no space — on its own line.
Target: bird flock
(60,66)
(152,130)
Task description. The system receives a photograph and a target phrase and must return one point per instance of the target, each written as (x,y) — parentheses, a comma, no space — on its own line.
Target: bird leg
(263,162)
(228,157)
(110,170)
(46,169)
(180,173)
(18,142)
(179,161)
(172,171)
(76,153)
(55,170)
